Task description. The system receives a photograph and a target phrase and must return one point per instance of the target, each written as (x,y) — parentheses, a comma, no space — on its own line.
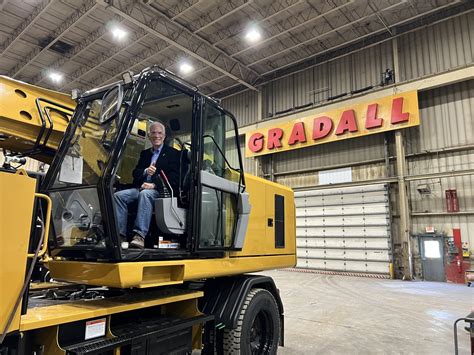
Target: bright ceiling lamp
(55,77)
(253,34)
(119,33)
(185,68)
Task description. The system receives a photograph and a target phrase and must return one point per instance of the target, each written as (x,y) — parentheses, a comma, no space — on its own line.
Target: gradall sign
(379,115)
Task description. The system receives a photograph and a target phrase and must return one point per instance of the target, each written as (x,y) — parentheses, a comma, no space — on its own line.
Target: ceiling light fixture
(185,68)
(253,34)
(119,33)
(55,77)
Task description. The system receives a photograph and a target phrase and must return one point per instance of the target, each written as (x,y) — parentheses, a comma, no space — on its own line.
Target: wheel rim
(261,333)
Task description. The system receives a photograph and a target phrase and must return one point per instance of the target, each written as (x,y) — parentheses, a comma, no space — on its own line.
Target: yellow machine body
(20,126)
(259,252)
(20,120)
(16,210)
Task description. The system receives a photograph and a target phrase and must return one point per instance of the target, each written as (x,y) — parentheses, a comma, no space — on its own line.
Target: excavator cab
(205,214)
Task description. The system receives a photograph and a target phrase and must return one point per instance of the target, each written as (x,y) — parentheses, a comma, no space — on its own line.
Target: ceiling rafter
(177,35)
(105,57)
(400,22)
(288,27)
(266,13)
(76,51)
(25,25)
(380,17)
(315,34)
(138,59)
(177,10)
(84,10)
(223,10)
(91,38)
(278,8)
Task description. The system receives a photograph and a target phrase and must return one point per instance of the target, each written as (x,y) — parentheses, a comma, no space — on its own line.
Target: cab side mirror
(111,104)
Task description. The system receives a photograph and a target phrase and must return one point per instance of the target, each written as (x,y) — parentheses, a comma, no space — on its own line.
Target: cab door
(223,202)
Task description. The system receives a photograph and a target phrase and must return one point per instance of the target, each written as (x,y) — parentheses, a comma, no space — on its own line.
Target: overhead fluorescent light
(119,33)
(253,34)
(55,77)
(185,68)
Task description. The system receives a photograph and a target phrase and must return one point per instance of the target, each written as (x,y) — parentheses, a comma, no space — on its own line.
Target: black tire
(258,326)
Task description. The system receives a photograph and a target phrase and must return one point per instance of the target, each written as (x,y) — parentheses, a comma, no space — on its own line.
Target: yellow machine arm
(32,119)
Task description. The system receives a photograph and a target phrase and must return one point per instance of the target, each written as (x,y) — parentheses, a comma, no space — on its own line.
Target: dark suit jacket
(168,161)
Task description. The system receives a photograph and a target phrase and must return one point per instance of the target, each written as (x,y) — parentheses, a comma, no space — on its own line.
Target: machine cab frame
(205,215)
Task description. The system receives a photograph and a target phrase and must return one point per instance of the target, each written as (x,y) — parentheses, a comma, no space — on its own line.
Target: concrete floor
(327,314)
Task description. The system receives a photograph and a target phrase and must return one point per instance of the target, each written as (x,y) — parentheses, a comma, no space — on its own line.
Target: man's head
(156,134)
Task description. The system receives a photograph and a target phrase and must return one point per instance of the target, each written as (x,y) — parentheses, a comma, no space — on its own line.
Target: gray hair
(154,123)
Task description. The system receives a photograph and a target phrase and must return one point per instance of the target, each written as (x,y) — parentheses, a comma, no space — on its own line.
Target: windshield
(76,213)
(89,148)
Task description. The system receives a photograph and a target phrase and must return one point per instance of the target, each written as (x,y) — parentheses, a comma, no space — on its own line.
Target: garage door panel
(343,210)
(345,229)
(342,242)
(345,266)
(347,253)
(301,252)
(325,231)
(340,221)
(349,199)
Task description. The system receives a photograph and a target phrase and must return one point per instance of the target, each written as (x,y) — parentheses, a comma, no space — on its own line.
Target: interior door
(224,206)
(432,258)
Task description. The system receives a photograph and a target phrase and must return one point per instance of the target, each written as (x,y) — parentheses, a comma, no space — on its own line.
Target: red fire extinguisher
(454,198)
(452,202)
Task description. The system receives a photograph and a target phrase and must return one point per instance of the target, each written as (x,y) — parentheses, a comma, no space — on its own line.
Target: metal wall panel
(321,83)
(443,46)
(447,118)
(315,85)
(244,106)
(344,229)
(340,76)
(284,94)
(369,64)
(304,88)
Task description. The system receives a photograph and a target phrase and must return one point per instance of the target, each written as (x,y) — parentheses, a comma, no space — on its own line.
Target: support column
(396,64)
(404,231)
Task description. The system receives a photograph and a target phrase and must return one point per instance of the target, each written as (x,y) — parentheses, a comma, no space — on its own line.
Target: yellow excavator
(189,287)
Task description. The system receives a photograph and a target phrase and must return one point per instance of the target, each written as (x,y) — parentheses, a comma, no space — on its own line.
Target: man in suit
(146,182)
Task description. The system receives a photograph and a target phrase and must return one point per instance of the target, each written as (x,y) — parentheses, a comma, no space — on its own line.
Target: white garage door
(344,230)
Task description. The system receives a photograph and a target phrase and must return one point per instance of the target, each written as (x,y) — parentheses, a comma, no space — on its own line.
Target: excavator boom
(32,119)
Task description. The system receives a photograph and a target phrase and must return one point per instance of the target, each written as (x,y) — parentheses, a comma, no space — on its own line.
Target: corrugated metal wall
(243,106)
(313,86)
(437,48)
(447,127)
(443,142)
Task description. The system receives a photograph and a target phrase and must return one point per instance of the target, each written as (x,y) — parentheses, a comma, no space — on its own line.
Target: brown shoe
(137,242)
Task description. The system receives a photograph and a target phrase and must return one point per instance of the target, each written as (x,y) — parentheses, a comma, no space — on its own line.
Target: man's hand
(148,186)
(151,170)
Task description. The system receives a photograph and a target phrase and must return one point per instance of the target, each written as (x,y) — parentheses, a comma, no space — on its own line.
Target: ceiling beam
(25,25)
(139,59)
(91,38)
(267,13)
(84,10)
(182,38)
(284,24)
(223,10)
(440,10)
(105,57)
(321,35)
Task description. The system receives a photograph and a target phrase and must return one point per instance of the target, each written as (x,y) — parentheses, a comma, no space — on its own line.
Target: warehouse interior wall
(442,144)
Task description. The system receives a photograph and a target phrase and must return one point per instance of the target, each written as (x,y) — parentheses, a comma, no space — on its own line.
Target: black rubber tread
(232,338)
